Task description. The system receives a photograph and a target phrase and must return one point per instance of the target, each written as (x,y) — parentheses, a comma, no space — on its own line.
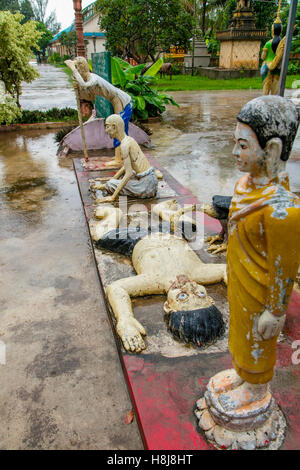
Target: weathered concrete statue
(272,55)
(164,263)
(139,177)
(263,256)
(91,85)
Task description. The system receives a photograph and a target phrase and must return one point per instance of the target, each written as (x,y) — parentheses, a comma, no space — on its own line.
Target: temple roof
(87,13)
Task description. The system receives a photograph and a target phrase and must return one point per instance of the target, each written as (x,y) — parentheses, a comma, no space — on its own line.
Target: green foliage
(155,68)
(69,41)
(16,43)
(44,40)
(27,11)
(213,46)
(57,59)
(187,82)
(142,29)
(10,5)
(147,101)
(52,115)
(9,111)
(296,37)
(293,68)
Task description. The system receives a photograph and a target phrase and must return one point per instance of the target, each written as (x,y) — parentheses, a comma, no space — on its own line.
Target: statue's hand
(270,325)
(130,332)
(105,199)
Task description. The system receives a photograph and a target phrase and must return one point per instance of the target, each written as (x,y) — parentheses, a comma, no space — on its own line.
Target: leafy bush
(53,114)
(147,101)
(294,68)
(55,58)
(30,117)
(9,111)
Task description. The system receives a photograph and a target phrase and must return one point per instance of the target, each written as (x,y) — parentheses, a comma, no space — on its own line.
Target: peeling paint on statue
(263,259)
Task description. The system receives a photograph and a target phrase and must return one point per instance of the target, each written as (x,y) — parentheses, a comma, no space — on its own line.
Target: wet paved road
(62,386)
(51,90)
(195,142)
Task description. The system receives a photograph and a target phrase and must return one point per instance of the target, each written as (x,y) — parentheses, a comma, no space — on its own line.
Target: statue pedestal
(259,425)
(201,56)
(240,45)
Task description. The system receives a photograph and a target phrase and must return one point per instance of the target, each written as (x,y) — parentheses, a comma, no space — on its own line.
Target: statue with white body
(91,85)
(139,179)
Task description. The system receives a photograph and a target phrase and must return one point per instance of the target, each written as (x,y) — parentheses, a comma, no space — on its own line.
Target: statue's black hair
(276,40)
(269,117)
(198,327)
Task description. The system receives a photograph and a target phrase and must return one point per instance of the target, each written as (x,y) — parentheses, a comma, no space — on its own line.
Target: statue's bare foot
(244,395)
(225,381)
(130,332)
(215,249)
(97,186)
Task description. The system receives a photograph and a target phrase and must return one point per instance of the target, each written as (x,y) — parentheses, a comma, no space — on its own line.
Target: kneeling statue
(139,177)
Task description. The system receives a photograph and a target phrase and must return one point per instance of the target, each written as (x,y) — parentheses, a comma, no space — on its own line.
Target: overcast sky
(64,10)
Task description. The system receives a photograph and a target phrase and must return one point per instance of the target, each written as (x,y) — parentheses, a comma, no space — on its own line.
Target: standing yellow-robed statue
(263,257)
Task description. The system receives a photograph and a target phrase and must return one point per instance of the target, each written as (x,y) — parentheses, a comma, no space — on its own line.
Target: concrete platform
(168,377)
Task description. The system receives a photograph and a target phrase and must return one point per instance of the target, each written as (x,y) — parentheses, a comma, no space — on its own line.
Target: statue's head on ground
(192,315)
(114,126)
(264,136)
(83,67)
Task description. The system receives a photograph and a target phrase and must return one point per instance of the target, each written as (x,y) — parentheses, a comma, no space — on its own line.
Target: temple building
(240,44)
(93,38)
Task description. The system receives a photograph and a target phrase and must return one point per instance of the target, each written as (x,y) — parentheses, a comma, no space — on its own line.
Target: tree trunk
(204,5)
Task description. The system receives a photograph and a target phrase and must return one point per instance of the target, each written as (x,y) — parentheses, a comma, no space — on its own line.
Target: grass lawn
(187,83)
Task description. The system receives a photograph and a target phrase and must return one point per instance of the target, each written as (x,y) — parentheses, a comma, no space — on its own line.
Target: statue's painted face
(110,129)
(188,296)
(249,155)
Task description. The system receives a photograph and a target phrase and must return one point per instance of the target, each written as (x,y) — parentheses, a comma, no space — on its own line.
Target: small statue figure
(272,55)
(139,177)
(242,4)
(91,85)
(164,264)
(263,256)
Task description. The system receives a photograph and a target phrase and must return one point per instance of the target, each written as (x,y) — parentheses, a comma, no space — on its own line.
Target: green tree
(43,42)
(10,5)
(27,11)
(143,29)
(69,41)
(16,43)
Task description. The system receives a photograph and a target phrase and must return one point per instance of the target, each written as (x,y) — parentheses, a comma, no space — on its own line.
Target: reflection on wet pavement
(195,142)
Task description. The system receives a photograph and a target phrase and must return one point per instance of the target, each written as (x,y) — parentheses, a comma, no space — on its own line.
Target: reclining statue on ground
(91,85)
(165,264)
(139,177)
(263,256)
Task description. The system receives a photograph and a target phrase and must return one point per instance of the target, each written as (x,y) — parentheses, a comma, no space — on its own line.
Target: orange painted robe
(263,258)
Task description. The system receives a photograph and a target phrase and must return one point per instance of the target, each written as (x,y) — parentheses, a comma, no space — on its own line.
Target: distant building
(93,38)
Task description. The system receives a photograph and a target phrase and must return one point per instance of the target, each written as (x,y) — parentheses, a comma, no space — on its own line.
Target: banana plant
(147,101)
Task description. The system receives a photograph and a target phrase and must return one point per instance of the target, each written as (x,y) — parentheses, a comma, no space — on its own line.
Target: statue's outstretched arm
(119,294)
(264,54)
